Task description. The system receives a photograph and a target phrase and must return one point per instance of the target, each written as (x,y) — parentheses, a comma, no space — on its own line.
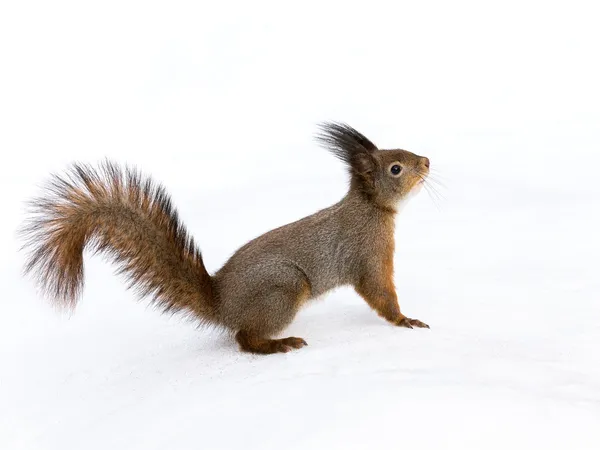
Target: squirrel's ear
(353,148)
(364,165)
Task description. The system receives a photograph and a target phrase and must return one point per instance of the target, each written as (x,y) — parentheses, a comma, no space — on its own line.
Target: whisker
(434,169)
(434,195)
(433,179)
(437,174)
(434,199)
(436,191)
(437,188)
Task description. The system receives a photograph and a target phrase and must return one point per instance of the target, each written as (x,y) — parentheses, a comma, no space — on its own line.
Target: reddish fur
(377,287)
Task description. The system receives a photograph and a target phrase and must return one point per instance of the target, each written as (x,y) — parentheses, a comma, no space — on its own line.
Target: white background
(219,102)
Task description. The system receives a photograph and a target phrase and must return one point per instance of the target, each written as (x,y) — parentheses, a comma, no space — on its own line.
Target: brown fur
(262,286)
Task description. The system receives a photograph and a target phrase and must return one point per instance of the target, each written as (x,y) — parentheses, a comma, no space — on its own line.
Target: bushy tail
(127,217)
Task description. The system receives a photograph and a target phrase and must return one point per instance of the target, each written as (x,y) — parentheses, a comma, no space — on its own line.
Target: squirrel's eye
(395,169)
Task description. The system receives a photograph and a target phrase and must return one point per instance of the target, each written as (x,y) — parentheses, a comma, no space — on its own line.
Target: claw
(419,324)
(405,323)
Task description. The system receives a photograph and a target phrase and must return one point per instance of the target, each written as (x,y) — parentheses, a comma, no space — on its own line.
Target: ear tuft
(344,142)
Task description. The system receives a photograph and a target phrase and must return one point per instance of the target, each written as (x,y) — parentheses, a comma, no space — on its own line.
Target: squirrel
(129,218)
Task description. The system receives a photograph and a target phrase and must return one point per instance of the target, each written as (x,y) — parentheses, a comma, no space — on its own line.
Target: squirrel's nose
(425,161)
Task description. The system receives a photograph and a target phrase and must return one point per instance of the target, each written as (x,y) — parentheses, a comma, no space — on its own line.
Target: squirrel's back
(326,246)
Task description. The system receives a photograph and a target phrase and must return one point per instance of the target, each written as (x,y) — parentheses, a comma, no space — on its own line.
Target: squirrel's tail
(130,219)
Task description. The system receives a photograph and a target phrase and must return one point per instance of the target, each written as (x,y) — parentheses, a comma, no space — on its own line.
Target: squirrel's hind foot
(254,344)
(410,323)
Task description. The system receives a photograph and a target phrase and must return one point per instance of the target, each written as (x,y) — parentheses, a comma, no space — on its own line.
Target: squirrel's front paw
(410,323)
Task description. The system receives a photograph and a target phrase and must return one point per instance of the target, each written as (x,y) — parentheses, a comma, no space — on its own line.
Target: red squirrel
(258,291)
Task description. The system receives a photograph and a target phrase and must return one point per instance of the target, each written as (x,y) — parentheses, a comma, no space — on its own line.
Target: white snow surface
(219,103)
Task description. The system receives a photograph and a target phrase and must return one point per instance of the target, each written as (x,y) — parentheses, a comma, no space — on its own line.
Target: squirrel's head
(385,176)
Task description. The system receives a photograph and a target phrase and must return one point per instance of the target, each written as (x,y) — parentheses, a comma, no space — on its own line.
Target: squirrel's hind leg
(266,314)
(262,304)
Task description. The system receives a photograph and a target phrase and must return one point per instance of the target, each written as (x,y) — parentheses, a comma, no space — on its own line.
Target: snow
(219,103)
